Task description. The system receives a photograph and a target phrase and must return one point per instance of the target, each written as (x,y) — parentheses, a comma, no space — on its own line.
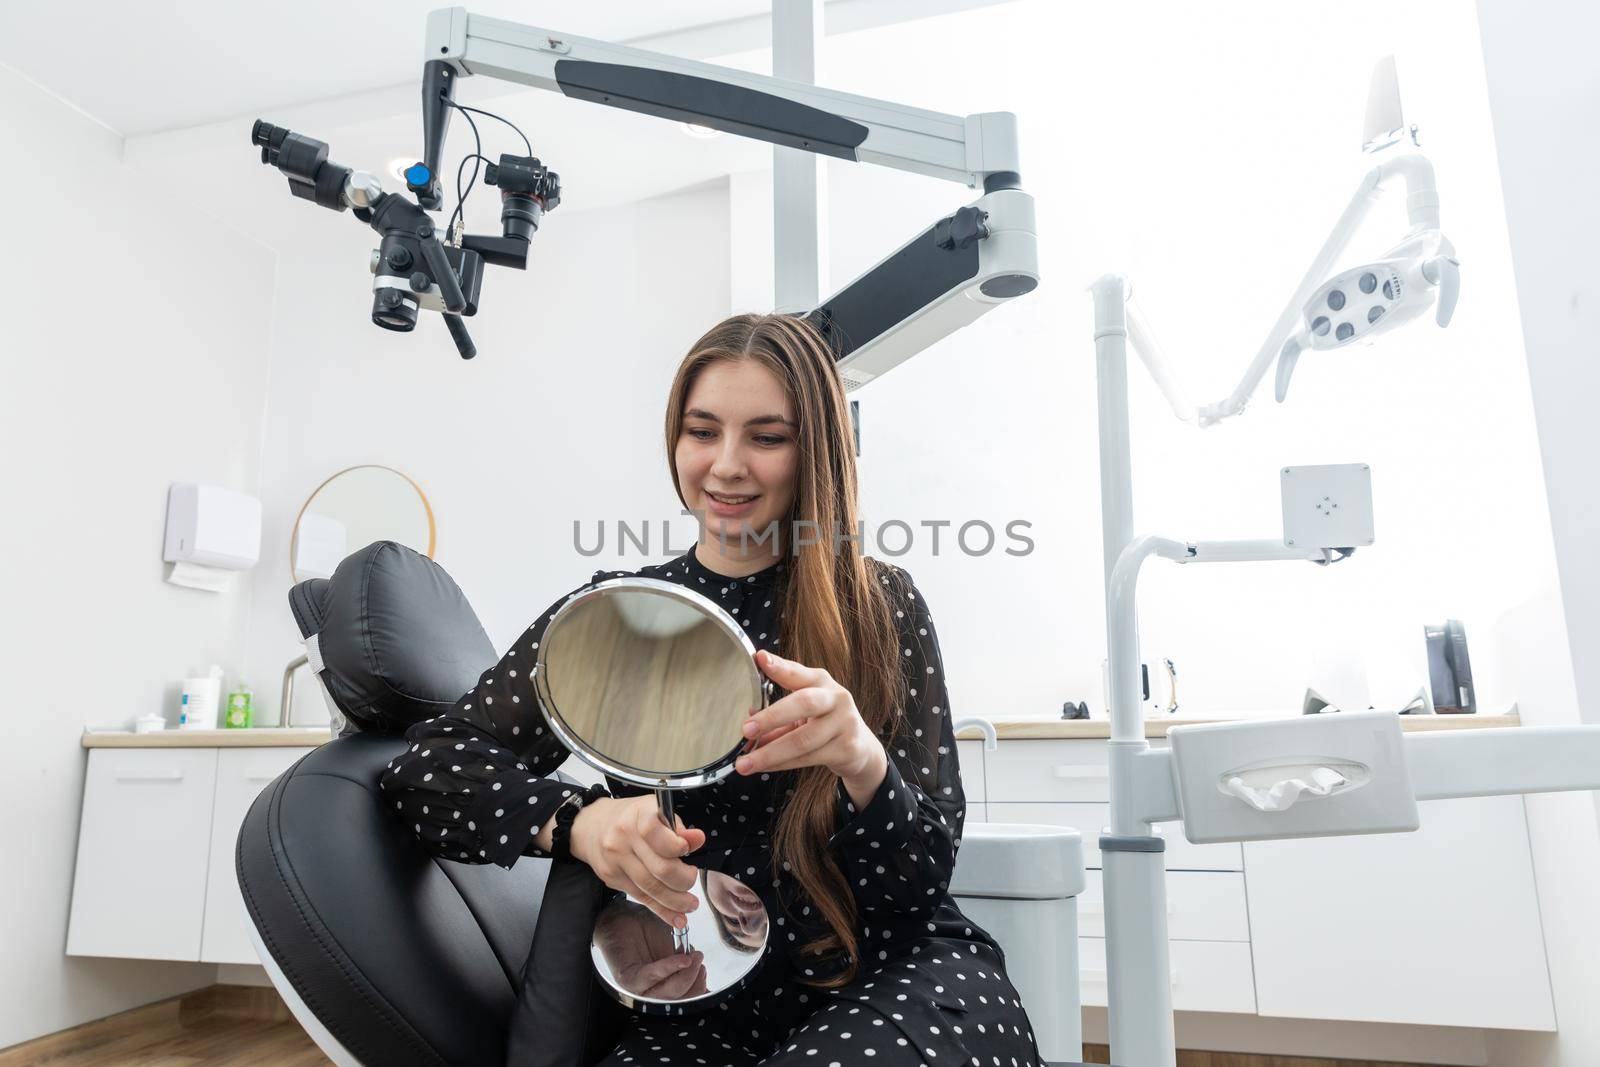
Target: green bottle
(238,715)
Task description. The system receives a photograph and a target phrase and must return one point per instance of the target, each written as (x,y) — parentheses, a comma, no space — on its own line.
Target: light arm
(1283,342)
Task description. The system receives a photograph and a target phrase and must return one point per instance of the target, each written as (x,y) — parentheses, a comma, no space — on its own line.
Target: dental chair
(389,956)
(386,955)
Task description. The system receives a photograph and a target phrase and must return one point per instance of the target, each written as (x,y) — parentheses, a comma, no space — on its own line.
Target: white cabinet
(155,875)
(1210,976)
(1049,771)
(1067,783)
(242,773)
(1201,906)
(139,889)
(1439,926)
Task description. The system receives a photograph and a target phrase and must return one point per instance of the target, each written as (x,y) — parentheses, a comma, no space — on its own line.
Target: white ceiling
(141,68)
(183,81)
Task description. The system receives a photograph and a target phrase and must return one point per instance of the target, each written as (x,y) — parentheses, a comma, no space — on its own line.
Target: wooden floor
(242,1026)
(1192,1058)
(246,1026)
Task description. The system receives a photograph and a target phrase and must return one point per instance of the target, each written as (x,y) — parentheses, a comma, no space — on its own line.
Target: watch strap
(566,815)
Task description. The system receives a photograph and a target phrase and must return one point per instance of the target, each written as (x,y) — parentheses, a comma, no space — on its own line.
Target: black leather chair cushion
(407,960)
(398,639)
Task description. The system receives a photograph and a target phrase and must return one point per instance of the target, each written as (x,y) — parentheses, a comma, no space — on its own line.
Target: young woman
(846,817)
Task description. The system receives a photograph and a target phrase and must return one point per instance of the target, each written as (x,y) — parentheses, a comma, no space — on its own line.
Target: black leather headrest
(398,640)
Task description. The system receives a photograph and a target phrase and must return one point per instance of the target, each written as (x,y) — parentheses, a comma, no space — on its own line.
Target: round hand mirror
(650,683)
(354,508)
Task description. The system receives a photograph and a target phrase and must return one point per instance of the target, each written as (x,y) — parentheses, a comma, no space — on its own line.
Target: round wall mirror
(650,683)
(354,508)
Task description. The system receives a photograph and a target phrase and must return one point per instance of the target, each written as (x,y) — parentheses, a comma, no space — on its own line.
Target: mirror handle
(664,804)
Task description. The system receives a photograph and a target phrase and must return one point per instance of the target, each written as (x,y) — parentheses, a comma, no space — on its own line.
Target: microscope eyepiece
(304,161)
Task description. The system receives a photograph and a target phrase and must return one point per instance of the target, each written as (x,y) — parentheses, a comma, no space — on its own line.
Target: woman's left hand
(816,725)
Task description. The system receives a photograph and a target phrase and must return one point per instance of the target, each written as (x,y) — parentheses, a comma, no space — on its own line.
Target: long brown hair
(836,614)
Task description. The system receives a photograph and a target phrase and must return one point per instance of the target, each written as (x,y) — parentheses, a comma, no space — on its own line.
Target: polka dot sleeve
(473,784)
(900,849)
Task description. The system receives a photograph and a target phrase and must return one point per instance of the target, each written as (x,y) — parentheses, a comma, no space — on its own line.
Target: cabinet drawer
(139,887)
(242,773)
(1206,975)
(1047,771)
(1201,906)
(1091,820)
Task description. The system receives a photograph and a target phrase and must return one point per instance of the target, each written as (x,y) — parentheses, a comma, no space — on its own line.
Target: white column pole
(1138,975)
(799,245)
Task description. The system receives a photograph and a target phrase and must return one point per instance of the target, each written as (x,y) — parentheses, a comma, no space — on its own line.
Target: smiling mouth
(719,498)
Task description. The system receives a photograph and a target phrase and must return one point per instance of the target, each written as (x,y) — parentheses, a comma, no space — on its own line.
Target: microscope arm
(945,277)
(976,150)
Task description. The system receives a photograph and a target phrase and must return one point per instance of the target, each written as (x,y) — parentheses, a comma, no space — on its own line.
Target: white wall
(1205,152)
(558,418)
(132,360)
(1545,94)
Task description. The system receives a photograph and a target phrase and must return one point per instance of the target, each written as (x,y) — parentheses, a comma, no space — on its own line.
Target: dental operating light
(1360,303)
(1329,309)
(1327,515)
(946,276)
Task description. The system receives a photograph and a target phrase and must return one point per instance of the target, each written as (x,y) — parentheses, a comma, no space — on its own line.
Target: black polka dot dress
(931,987)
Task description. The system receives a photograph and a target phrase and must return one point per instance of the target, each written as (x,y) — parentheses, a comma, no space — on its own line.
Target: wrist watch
(566,815)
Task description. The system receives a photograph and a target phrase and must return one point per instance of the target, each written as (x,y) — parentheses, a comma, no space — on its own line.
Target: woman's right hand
(625,843)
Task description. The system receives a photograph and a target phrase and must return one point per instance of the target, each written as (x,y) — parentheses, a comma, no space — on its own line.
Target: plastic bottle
(239,714)
(201,701)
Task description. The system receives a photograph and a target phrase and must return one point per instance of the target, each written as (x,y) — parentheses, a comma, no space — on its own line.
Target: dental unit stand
(1244,781)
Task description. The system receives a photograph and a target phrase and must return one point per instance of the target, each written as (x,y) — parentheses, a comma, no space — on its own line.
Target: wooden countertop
(260,737)
(1089,729)
(1012,730)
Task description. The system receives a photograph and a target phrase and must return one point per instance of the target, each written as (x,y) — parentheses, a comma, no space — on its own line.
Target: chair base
(314,1029)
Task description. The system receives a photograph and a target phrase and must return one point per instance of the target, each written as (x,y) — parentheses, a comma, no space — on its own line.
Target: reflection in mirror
(648,680)
(637,951)
(740,916)
(351,510)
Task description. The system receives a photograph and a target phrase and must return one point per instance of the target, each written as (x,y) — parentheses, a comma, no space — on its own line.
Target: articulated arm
(942,279)
(976,150)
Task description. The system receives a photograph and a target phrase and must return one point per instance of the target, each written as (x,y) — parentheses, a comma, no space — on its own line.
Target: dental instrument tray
(1300,777)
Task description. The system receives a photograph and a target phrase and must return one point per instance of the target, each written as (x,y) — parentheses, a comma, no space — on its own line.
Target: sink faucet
(991,740)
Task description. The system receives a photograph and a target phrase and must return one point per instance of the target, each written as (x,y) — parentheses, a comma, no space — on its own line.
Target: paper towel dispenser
(211,532)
